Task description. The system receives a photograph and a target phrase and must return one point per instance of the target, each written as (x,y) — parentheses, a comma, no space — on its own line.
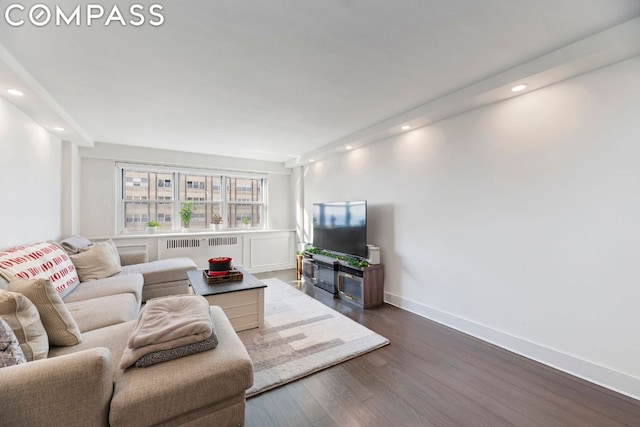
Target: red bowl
(220,264)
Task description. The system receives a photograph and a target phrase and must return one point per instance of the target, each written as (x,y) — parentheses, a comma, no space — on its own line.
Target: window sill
(207,232)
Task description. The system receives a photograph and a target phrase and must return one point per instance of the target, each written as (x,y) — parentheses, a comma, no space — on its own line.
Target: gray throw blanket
(168,323)
(174,353)
(74,244)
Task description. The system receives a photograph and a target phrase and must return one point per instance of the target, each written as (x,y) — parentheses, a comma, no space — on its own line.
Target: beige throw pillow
(24,319)
(60,326)
(97,262)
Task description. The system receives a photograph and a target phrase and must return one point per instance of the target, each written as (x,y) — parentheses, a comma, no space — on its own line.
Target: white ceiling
(286,79)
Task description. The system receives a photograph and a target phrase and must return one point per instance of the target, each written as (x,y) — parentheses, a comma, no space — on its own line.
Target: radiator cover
(200,249)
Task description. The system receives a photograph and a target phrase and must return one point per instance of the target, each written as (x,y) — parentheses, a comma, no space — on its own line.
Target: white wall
(279,203)
(99,183)
(298,210)
(517,222)
(71,170)
(97,198)
(30,173)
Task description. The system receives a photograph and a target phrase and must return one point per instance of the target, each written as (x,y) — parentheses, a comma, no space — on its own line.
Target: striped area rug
(301,336)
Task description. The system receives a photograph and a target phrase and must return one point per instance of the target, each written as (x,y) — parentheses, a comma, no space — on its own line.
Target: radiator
(200,249)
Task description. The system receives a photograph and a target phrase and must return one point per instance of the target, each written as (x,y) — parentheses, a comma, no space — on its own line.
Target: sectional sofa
(74,334)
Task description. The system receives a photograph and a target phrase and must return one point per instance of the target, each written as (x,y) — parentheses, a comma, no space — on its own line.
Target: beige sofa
(161,278)
(83,385)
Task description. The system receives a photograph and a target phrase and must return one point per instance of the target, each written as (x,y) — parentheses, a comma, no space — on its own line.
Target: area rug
(301,336)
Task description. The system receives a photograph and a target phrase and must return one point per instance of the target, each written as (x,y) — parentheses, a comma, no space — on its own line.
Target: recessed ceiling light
(15,92)
(518,88)
(59,129)
(348,147)
(405,127)
(312,160)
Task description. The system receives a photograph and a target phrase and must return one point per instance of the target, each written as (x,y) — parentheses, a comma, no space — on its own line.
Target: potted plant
(186,212)
(246,221)
(216,221)
(152,226)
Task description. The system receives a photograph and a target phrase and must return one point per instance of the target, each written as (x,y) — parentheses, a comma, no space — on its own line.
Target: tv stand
(361,286)
(326,276)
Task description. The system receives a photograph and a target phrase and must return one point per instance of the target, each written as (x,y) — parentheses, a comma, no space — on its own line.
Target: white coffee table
(241,301)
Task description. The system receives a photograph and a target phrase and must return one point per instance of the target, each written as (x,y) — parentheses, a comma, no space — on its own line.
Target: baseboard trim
(597,374)
(270,267)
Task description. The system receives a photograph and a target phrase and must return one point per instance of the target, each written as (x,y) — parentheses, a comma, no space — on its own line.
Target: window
(149,194)
(142,203)
(199,185)
(162,217)
(245,201)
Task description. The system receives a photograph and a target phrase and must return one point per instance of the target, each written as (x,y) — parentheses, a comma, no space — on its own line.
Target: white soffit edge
(605,48)
(37,103)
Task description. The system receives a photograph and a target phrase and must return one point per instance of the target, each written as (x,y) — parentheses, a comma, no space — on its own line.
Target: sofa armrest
(133,257)
(74,390)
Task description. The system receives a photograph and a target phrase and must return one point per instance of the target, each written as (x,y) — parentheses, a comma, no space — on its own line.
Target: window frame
(176,176)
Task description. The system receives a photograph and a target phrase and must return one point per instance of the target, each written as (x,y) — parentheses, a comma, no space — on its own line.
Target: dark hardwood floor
(431,375)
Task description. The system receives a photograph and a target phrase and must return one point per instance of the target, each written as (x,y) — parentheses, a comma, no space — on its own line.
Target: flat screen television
(341,227)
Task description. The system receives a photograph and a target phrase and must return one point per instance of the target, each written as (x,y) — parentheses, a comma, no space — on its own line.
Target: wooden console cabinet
(363,287)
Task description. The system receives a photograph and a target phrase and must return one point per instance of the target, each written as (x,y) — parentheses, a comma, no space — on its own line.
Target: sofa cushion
(112,337)
(104,311)
(23,318)
(120,284)
(60,326)
(40,261)
(4,283)
(97,262)
(161,271)
(10,352)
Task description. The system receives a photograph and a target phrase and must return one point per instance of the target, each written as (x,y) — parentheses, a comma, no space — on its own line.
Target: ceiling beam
(605,48)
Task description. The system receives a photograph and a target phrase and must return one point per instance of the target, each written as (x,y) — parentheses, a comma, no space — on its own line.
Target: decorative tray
(233,275)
